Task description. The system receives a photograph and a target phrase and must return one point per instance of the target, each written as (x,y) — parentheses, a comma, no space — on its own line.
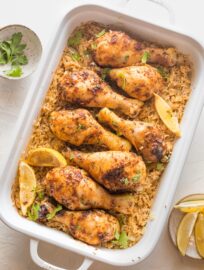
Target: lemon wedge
(199,234)
(185,230)
(166,114)
(191,206)
(27,184)
(46,157)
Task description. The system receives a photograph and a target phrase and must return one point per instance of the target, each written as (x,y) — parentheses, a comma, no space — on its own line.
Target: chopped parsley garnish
(54,212)
(93,46)
(125,181)
(41,195)
(136,177)
(121,239)
(160,166)
(33,213)
(12,52)
(122,219)
(163,73)
(145,57)
(104,73)
(75,39)
(100,34)
(122,76)
(80,126)
(75,56)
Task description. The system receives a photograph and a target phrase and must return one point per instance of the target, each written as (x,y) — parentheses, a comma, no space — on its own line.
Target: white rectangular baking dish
(169,181)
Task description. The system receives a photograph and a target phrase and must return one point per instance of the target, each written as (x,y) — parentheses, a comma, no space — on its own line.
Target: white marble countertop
(43,17)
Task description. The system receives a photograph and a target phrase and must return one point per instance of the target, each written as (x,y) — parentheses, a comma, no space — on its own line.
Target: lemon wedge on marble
(166,114)
(190,206)
(185,230)
(27,185)
(45,157)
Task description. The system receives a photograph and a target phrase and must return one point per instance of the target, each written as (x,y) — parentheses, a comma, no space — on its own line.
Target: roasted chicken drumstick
(146,138)
(87,89)
(72,188)
(115,170)
(116,49)
(138,81)
(93,227)
(79,127)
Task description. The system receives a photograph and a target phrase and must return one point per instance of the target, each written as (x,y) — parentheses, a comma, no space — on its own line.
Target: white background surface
(43,16)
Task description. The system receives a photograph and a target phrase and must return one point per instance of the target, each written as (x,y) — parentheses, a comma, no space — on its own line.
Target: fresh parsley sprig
(12,52)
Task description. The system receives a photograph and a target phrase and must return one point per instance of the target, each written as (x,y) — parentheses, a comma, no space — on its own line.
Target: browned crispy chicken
(87,89)
(138,81)
(93,227)
(115,170)
(79,127)
(72,188)
(146,138)
(116,49)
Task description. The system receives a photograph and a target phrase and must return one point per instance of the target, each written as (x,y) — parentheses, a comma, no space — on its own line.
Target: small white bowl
(33,50)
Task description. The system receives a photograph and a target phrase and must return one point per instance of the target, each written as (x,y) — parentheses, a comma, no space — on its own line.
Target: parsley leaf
(136,177)
(5,48)
(160,166)
(80,126)
(163,72)
(145,57)
(54,212)
(100,34)
(125,181)
(104,73)
(41,195)
(34,212)
(75,40)
(19,60)
(3,60)
(75,56)
(14,72)
(93,46)
(121,239)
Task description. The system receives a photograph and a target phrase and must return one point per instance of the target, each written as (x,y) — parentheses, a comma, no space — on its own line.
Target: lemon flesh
(199,234)
(185,230)
(191,206)
(27,184)
(46,157)
(166,114)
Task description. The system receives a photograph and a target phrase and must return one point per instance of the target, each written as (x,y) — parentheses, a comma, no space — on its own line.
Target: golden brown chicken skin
(146,138)
(140,82)
(117,49)
(87,89)
(79,127)
(115,170)
(94,227)
(72,188)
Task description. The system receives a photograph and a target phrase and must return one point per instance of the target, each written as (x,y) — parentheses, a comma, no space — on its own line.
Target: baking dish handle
(163,4)
(45,265)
